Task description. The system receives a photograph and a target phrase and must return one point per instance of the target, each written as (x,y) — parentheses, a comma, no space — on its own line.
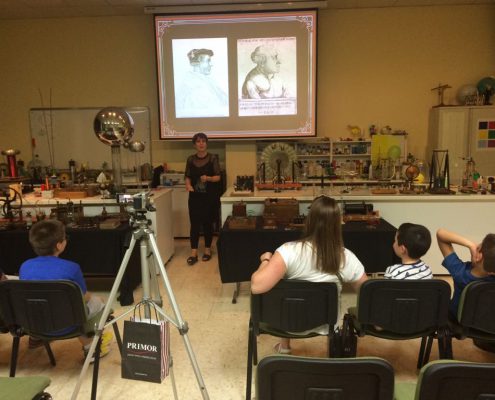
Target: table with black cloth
(239,250)
(99,252)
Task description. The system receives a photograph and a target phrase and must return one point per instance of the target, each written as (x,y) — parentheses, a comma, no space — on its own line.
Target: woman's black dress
(204,202)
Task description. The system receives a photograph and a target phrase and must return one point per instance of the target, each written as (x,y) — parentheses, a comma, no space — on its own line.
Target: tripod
(144,235)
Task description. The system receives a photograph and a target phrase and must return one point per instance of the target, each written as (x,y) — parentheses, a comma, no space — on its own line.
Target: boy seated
(481,266)
(411,242)
(48,239)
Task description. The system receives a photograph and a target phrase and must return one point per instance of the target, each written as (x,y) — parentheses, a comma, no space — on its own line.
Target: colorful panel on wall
(485,134)
(391,147)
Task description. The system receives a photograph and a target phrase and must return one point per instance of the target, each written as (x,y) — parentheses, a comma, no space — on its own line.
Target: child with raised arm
(48,239)
(481,266)
(412,241)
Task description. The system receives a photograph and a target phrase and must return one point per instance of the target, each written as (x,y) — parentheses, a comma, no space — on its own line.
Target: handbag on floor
(343,343)
(145,348)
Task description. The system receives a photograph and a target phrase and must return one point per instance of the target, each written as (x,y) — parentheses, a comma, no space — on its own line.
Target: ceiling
(20,9)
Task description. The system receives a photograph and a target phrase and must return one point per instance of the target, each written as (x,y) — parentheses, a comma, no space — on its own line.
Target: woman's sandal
(192,260)
(281,350)
(206,257)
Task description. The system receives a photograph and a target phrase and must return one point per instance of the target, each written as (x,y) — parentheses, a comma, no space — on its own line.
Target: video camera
(141,202)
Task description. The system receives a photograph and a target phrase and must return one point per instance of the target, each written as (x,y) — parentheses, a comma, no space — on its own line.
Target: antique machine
(279,212)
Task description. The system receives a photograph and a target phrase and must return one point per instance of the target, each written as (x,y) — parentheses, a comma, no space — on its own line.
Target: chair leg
(249,373)
(424,351)
(49,352)
(96,367)
(117,337)
(13,355)
(445,346)
(329,340)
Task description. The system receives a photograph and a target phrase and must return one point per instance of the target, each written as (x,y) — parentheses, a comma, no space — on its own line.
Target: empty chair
(40,308)
(24,388)
(302,378)
(403,309)
(475,316)
(450,380)
(289,307)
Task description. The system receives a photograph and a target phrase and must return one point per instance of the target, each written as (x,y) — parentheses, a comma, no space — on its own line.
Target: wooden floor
(218,336)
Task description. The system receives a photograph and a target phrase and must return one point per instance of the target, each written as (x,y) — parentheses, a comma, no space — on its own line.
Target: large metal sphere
(113,126)
(136,146)
(10,152)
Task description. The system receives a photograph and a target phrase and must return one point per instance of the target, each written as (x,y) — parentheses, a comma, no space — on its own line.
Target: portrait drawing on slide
(200,78)
(267,76)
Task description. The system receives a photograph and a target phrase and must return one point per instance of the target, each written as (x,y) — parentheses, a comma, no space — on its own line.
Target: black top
(196,167)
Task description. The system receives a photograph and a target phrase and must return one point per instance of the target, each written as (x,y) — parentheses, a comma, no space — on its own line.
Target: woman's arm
(206,178)
(270,271)
(189,187)
(357,284)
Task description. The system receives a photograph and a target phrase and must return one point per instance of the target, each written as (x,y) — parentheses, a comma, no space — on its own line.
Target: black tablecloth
(239,250)
(99,252)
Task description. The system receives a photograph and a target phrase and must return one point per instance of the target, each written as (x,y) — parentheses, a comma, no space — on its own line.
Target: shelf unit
(351,156)
(319,157)
(311,157)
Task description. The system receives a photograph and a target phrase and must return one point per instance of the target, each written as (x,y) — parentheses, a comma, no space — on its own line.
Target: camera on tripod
(141,202)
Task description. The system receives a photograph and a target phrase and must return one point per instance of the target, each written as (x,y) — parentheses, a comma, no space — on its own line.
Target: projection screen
(237,76)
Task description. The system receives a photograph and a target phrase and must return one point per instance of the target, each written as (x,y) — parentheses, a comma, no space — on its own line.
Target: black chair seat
(302,378)
(475,316)
(291,306)
(46,310)
(401,310)
(450,380)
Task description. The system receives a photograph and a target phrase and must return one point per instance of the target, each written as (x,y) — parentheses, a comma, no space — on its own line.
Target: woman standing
(202,175)
(320,256)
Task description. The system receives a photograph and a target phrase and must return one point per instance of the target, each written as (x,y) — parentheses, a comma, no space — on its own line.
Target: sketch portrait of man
(198,92)
(263,81)
(270,86)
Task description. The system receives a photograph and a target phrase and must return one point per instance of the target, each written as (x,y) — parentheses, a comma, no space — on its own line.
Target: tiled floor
(217,333)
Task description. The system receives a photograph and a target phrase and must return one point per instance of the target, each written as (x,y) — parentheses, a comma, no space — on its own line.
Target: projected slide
(237,76)
(267,76)
(200,77)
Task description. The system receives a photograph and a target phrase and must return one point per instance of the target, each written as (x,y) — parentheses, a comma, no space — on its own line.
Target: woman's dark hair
(44,236)
(199,135)
(323,230)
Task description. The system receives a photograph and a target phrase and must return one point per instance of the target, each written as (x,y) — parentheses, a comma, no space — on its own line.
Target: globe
(465,91)
(411,172)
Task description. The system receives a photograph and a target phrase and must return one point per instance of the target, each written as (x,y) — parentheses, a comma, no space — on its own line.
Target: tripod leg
(155,289)
(183,328)
(106,312)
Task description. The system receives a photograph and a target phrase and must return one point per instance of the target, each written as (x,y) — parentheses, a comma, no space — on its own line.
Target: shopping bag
(146,349)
